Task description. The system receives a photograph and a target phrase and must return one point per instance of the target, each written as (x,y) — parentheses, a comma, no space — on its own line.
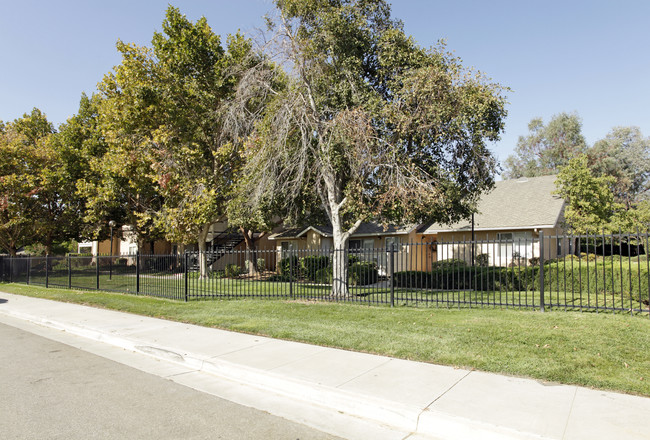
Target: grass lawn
(601,350)
(557,295)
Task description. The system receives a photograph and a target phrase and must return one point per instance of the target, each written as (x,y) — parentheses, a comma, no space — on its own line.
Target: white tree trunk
(203,258)
(340,265)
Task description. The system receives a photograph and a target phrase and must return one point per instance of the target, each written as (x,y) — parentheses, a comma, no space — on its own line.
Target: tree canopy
(546,148)
(624,154)
(38,200)
(372,124)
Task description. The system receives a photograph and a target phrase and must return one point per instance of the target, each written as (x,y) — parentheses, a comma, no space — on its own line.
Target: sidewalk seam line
(365,372)
(568,418)
(417,422)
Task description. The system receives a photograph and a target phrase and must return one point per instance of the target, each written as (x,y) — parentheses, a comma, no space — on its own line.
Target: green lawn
(558,294)
(601,350)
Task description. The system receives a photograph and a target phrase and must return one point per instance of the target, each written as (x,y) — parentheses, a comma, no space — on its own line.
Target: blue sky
(589,57)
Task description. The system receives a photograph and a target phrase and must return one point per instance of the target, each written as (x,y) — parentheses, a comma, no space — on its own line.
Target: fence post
(97,272)
(186,273)
(47,271)
(541,271)
(291,274)
(69,273)
(29,267)
(392,275)
(137,272)
(11,269)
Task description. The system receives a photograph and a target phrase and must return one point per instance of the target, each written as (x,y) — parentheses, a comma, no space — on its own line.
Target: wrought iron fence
(581,272)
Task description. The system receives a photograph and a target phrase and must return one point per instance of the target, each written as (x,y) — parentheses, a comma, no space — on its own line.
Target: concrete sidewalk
(349,394)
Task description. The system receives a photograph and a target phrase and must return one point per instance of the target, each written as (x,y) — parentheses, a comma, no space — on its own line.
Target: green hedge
(597,278)
(290,266)
(363,273)
(312,264)
(359,274)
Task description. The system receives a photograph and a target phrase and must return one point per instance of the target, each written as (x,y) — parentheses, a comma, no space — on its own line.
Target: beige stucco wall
(525,243)
(412,253)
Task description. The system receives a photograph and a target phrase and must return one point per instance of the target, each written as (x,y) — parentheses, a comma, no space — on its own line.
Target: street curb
(392,415)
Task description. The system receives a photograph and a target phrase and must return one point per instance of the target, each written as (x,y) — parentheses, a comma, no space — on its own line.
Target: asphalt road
(49,390)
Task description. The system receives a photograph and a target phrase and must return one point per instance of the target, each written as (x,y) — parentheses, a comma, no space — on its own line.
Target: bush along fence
(586,272)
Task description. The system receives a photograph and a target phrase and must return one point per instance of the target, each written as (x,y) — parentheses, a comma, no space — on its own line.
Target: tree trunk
(340,265)
(48,244)
(251,252)
(333,202)
(203,257)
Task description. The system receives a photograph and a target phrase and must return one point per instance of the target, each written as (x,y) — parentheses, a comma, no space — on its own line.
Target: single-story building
(506,227)
(507,224)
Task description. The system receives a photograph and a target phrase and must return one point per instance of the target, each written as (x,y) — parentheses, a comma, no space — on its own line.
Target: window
(288,247)
(390,241)
(514,245)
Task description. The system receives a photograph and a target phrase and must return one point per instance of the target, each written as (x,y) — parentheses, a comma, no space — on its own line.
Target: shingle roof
(365,229)
(512,204)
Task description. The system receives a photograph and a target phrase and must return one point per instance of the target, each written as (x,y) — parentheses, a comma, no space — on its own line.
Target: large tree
(624,154)
(20,156)
(546,148)
(167,110)
(374,125)
(590,201)
(39,203)
(196,148)
(119,186)
(81,147)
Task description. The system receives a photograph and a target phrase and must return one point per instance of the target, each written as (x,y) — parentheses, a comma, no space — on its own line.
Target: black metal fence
(585,272)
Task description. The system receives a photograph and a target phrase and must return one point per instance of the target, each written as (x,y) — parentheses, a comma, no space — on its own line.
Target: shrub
(290,266)
(588,257)
(482,260)
(534,261)
(311,264)
(448,264)
(323,276)
(413,279)
(232,270)
(353,259)
(261,264)
(363,273)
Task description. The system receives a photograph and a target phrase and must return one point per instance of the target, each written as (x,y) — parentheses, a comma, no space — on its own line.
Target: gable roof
(524,203)
(365,229)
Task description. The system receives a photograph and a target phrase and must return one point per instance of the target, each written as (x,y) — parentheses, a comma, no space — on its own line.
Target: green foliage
(60,248)
(482,260)
(260,264)
(547,148)
(448,264)
(38,203)
(624,154)
(587,275)
(232,271)
(310,265)
(590,199)
(324,275)
(363,273)
(370,125)
(290,266)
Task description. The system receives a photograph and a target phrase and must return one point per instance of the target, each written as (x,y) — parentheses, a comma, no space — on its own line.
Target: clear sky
(590,57)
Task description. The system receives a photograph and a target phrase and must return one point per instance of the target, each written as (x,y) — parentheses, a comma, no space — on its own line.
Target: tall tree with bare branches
(372,124)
